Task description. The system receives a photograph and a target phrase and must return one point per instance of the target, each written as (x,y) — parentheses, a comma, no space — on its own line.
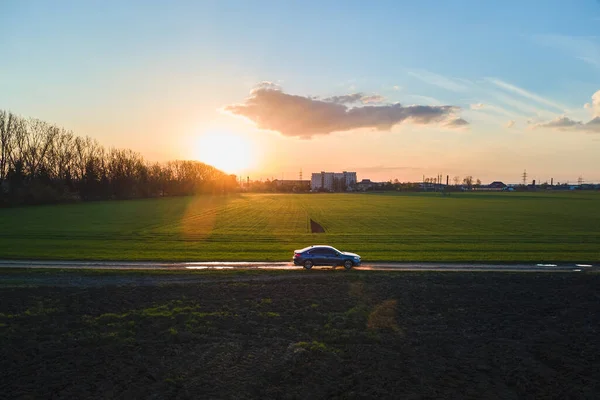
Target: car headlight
(357,258)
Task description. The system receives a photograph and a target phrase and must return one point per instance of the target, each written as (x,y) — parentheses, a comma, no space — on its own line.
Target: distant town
(345,181)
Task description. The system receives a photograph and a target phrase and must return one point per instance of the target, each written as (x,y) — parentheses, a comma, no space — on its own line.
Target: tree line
(43,163)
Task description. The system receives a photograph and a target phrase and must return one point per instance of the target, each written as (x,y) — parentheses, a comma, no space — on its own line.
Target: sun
(226,151)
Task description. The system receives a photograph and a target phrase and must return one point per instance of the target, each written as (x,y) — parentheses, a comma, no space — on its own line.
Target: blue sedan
(325,255)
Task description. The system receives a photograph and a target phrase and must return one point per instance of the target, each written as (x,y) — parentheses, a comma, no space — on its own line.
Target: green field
(463,227)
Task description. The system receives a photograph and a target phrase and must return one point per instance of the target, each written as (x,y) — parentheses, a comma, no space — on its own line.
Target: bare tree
(16,140)
(456,180)
(38,139)
(6,132)
(60,155)
(468,181)
(85,149)
(45,163)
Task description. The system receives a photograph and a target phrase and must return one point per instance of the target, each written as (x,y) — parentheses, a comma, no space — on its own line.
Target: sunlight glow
(226,151)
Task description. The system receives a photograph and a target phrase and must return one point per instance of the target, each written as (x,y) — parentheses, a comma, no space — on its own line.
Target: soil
(310,334)
(315,227)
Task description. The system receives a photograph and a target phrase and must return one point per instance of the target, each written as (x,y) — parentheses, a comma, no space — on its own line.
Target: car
(325,255)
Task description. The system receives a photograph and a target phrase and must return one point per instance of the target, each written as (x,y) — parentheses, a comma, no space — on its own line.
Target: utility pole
(524,177)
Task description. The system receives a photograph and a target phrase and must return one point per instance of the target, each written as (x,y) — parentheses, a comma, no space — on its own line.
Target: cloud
(593,125)
(532,96)
(396,87)
(304,117)
(567,124)
(267,85)
(595,104)
(492,109)
(522,106)
(560,123)
(345,99)
(354,98)
(586,49)
(510,124)
(423,99)
(501,110)
(373,99)
(456,123)
(454,85)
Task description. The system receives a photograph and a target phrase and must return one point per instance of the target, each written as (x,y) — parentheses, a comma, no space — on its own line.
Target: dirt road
(376,266)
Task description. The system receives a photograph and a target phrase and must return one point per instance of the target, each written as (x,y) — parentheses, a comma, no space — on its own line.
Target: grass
(463,227)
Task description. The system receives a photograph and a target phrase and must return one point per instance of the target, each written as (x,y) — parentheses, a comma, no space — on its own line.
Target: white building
(332,181)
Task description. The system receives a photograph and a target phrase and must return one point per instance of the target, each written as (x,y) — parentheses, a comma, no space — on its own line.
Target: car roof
(318,246)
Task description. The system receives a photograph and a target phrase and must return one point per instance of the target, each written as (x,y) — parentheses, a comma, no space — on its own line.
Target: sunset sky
(389,89)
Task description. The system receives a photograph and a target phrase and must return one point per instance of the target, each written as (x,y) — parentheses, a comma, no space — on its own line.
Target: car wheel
(348,264)
(308,264)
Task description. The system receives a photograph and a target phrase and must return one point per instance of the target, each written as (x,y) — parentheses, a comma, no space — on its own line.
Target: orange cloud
(298,116)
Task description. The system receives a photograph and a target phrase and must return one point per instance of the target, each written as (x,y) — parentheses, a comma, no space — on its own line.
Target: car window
(322,252)
(325,251)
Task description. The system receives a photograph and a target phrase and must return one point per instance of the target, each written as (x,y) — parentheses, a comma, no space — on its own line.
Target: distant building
(292,184)
(332,181)
(495,186)
(365,184)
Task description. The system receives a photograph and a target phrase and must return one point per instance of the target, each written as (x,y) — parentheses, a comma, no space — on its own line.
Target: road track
(375,266)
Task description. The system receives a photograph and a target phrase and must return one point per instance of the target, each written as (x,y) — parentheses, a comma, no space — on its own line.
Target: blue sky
(155,76)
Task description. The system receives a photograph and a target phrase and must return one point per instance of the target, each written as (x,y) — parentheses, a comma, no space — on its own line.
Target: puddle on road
(274,266)
(238,265)
(232,263)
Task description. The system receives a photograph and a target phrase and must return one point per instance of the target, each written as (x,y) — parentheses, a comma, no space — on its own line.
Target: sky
(266,89)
